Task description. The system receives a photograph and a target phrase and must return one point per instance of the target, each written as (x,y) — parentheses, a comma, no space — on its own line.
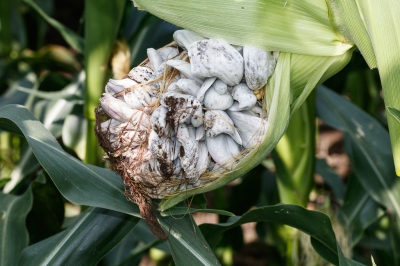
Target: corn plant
(116,138)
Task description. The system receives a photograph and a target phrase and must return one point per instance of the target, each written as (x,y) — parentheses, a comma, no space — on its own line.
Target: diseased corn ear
(172,131)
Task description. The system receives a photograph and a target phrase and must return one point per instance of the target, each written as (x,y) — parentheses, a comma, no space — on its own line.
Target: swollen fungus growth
(185,116)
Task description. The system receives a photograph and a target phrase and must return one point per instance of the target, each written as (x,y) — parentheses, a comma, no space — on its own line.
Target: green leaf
(13,95)
(301,27)
(199,201)
(380,20)
(331,178)
(74,133)
(324,251)
(347,19)
(47,213)
(13,233)
(25,166)
(78,182)
(395,238)
(320,229)
(70,37)
(123,251)
(89,185)
(139,241)
(186,242)
(68,92)
(376,18)
(367,144)
(394,112)
(185,211)
(52,112)
(13,33)
(84,242)
(359,210)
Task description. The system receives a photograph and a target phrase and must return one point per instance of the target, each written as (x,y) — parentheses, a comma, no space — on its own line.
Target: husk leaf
(378,20)
(301,27)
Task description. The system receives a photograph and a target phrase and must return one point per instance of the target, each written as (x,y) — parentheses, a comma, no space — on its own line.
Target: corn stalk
(99,41)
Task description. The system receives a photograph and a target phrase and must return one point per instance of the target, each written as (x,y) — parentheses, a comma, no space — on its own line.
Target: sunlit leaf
(394,112)
(301,27)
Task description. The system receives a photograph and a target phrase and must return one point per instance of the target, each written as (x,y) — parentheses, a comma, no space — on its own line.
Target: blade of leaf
(359,210)
(129,251)
(395,238)
(293,215)
(78,182)
(26,165)
(380,20)
(184,210)
(84,242)
(330,177)
(367,144)
(47,213)
(13,233)
(70,37)
(186,242)
(345,15)
(394,112)
(52,113)
(301,27)
(122,251)
(74,133)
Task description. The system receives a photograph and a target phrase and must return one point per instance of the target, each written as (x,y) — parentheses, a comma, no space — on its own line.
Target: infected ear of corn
(184,118)
(199,113)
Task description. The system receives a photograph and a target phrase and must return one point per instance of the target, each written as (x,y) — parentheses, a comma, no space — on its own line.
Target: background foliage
(60,208)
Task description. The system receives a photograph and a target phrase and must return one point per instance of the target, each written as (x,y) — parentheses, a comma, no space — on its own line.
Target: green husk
(301,27)
(373,27)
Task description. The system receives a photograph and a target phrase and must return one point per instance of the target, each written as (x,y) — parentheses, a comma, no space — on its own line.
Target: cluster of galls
(186,115)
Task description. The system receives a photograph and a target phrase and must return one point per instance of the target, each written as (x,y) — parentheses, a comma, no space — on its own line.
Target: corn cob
(185,116)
